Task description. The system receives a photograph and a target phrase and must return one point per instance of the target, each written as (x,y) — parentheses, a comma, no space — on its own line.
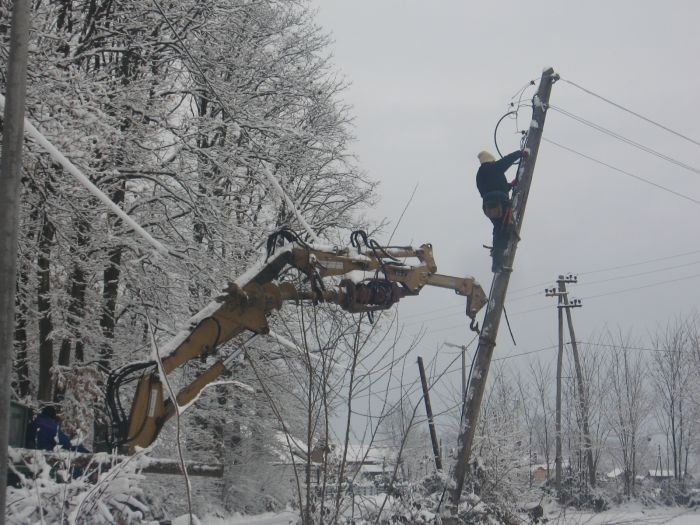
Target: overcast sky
(429,82)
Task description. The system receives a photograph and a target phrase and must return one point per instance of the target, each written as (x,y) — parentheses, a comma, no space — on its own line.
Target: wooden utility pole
(429,412)
(557,427)
(10,165)
(489,331)
(464,349)
(565,305)
(582,393)
(553,292)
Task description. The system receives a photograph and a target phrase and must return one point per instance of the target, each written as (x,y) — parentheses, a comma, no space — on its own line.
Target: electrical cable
(586,283)
(622,347)
(624,139)
(545,283)
(495,130)
(615,292)
(641,287)
(526,353)
(522,312)
(637,177)
(650,121)
(611,268)
(639,274)
(508,325)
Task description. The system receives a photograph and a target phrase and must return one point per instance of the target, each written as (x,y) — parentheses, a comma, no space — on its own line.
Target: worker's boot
(497,262)
(500,244)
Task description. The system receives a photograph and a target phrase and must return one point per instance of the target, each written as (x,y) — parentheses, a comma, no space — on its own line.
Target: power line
(585,283)
(642,286)
(629,276)
(525,353)
(611,268)
(623,347)
(650,121)
(669,190)
(615,292)
(452,307)
(624,139)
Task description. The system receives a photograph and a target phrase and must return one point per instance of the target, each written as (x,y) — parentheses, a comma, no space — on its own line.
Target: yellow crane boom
(246,304)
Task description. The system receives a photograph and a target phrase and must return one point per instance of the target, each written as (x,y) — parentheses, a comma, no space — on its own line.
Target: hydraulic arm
(363,278)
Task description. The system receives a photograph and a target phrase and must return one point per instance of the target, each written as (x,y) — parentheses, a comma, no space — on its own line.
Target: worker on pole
(494,188)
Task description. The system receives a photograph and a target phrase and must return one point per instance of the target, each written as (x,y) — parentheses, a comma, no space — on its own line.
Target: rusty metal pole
(10,165)
(487,340)
(429,411)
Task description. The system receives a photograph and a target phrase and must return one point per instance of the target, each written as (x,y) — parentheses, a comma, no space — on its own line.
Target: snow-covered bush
(81,391)
(68,490)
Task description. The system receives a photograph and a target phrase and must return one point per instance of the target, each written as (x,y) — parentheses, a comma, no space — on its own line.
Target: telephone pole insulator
(573,303)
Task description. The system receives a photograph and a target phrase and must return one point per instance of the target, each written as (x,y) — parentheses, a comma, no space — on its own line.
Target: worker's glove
(526,153)
(514,183)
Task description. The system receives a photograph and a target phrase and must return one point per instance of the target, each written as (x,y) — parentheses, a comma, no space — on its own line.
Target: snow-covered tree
(181,113)
(673,378)
(628,404)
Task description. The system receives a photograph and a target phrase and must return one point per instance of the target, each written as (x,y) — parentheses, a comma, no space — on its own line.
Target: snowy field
(631,515)
(620,516)
(268,518)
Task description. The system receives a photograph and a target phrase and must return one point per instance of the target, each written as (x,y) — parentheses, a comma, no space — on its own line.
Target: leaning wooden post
(487,340)
(429,412)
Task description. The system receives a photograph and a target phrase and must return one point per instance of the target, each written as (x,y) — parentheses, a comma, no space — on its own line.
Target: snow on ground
(268,518)
(629,515)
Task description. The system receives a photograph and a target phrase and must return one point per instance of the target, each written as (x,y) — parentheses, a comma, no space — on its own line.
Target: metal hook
(474,326)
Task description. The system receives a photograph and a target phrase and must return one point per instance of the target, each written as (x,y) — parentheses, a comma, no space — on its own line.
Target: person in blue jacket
(494,189)
(44,432)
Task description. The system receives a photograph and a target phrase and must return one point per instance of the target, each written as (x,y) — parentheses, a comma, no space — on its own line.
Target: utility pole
(582,391)
(564,305)
(429,412)
(552,292)
(464,365)
(487,339)
(464,372)
(10,165)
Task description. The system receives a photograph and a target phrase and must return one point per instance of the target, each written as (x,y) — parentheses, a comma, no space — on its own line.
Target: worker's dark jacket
(492,175)
(44,433)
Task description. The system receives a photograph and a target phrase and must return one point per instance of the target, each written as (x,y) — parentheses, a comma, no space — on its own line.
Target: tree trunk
(20,362)
(76,307)
(110,291)
(44,310)
(674,446)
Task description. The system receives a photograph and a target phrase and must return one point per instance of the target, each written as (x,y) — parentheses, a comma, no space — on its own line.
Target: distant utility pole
(487,339)
(464,349)
(10,165)
(582,390)
(564,305)
(553,292)
(429,412)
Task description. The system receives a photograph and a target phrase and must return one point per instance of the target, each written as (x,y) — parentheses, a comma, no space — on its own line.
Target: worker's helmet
(485,156)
